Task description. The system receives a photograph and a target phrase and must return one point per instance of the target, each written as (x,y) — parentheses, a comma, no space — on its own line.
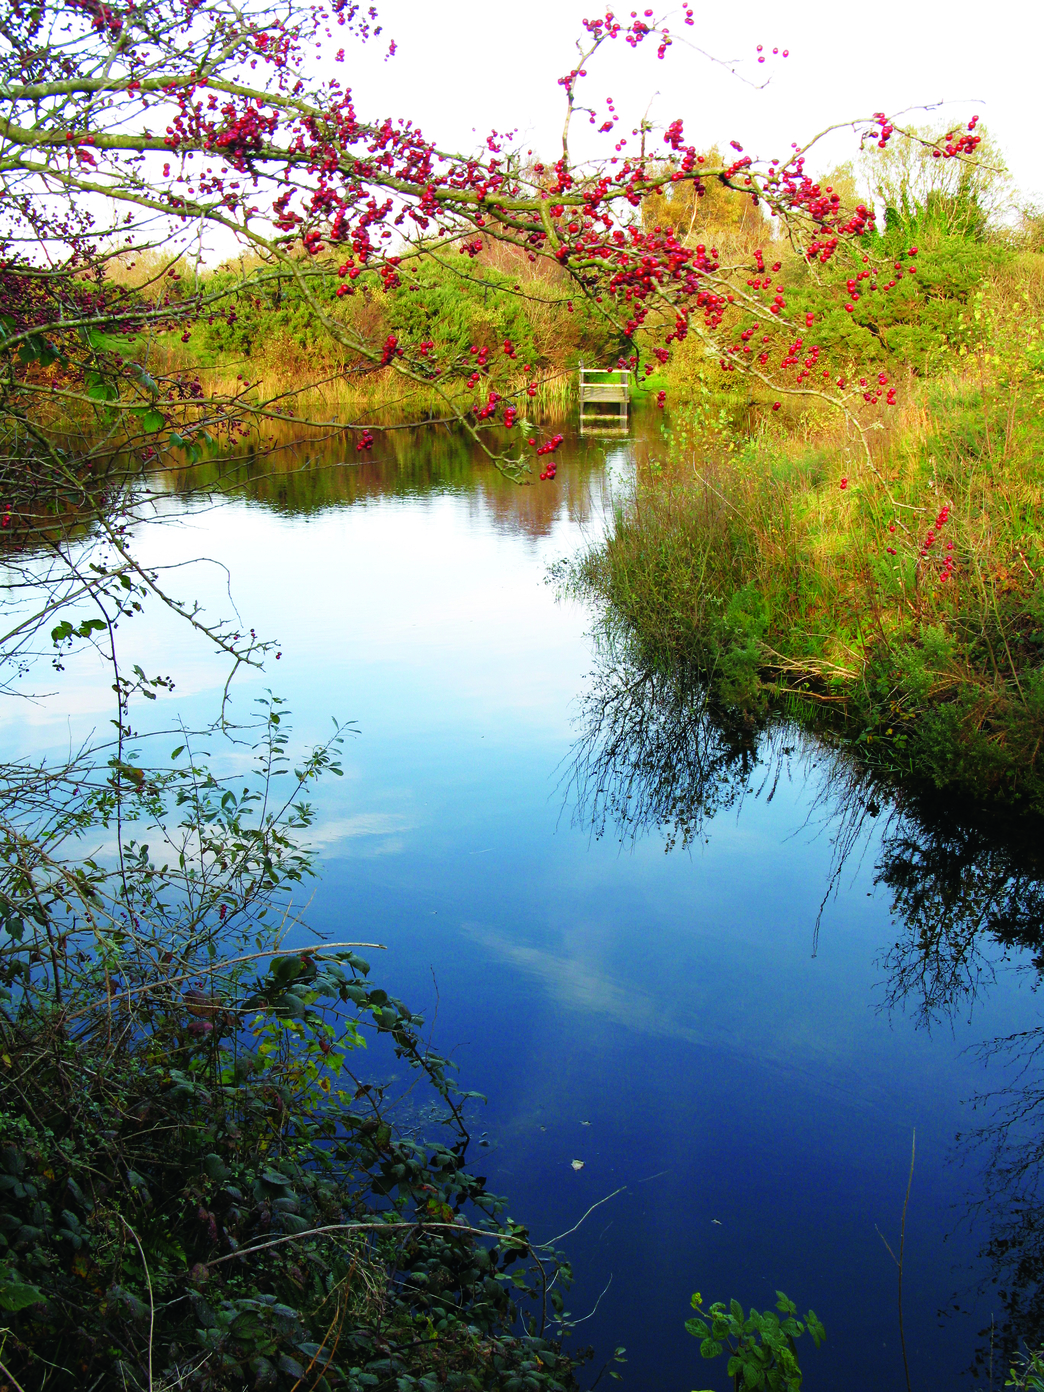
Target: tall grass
(280,383)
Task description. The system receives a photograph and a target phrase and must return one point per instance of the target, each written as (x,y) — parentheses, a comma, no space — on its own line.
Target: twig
(899,1260)
(598,1302)
(148,1282)
(8,1374)
(358,1227)
(231,962)
(552,1240)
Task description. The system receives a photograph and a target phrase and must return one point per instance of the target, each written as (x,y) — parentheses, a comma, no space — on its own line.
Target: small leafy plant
(1027,1374)
(762,1353)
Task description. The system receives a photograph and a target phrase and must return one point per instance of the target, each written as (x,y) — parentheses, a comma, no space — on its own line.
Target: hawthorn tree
(125,129)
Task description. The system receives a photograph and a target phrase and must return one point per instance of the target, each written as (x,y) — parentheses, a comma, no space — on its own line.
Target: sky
(462,69)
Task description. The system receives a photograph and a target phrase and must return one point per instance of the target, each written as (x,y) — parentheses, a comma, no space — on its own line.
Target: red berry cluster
(959,144)
(489,409)
(547,448)
(932,534)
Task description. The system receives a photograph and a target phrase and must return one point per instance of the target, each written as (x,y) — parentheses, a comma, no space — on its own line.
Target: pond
(706,984)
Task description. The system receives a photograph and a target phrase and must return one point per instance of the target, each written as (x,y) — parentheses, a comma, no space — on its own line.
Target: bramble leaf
(15,1295)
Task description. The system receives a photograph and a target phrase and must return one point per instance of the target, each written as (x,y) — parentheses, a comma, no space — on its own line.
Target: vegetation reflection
(656,755)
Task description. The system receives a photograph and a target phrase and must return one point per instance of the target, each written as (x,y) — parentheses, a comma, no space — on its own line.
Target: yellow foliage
(722,215)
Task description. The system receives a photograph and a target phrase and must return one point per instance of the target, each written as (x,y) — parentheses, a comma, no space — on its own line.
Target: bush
(198,1205)
(198,1187)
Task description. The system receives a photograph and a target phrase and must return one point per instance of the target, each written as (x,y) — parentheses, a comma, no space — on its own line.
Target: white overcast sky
(463,64)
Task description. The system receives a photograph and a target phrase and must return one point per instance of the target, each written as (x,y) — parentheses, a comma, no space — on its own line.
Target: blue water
(668,1017)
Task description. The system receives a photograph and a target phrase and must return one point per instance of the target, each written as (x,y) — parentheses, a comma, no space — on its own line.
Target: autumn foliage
(196,114)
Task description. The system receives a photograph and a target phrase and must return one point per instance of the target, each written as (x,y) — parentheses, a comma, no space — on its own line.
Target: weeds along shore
(890,591)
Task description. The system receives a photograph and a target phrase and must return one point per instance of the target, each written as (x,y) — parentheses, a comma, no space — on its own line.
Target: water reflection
(957,883)
(653,754)
(1011,1201)
(967,901)
(296,477)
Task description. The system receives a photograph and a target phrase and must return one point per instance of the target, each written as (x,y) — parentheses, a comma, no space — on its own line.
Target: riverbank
(298,341)
(891,594)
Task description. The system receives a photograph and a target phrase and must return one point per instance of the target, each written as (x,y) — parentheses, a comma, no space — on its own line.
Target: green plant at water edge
(202,1183)
(761,1346)
(1027,1373)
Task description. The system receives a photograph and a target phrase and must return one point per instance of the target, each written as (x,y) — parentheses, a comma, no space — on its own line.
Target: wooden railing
(613,389)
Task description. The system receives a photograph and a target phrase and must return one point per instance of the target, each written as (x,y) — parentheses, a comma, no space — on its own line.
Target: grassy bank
(263,326)
(895,599)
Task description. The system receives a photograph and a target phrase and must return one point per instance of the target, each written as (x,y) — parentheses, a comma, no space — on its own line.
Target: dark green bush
(219,1201)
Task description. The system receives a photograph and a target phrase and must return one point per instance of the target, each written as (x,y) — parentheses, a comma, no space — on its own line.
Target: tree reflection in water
(655,756)
(652,755)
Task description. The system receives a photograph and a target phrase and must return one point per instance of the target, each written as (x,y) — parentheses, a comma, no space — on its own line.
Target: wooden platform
(601,387)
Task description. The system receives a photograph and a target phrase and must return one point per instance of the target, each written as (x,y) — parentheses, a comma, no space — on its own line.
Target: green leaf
(144,380)
(153,420)
(135,1308)
(696,1328)
(264,1372)
(16,1296)
(102,391)
(30,349)
(710,1348)
(215,1167)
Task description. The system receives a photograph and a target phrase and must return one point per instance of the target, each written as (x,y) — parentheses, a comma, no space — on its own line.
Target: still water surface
(658,1006)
